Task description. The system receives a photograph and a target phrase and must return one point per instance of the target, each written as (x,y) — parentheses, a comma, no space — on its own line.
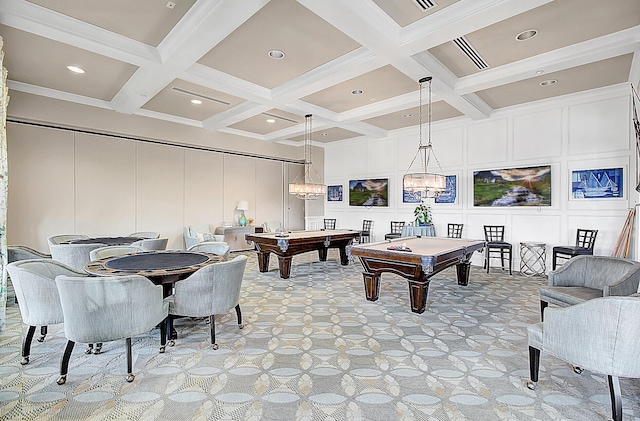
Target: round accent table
(533,258)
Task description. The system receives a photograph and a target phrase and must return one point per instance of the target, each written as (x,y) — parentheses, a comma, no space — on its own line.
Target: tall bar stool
(365,234)
(496,246)
(396,230)
(454,230)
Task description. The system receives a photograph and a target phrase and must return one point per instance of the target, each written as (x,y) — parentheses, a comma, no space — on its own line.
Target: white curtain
(4,188)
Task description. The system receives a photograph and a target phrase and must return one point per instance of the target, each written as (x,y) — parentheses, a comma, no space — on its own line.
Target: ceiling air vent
(208,98)
(425,5)
(279,117)
(470,52)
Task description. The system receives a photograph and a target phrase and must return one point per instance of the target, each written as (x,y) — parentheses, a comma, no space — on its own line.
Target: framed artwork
(528,186)
(369,192)
(449,195)
(334,193)
(597,184)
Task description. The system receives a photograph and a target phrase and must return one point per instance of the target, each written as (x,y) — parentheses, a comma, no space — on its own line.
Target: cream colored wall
(64,181)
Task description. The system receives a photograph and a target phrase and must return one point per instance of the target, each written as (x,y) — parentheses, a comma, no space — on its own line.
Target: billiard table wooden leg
(322,254)
(463,270)
(371,286)
(284,263)
(418,291)
(263,261)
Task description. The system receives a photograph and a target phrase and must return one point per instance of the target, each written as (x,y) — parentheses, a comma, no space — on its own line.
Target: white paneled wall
(587,131)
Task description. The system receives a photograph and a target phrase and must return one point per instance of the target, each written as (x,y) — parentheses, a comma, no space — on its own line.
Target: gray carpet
(314,349)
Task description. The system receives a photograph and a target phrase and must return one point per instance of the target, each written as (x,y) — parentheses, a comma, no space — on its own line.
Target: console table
(234,236)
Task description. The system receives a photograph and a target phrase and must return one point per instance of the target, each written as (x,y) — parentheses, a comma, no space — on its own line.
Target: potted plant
(422,213)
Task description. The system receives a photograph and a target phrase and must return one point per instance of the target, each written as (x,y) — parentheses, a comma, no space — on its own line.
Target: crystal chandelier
(424,184)
(306,188)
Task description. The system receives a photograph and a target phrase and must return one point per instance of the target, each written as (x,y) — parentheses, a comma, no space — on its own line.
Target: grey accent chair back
(216,247)
(35,287)
(102,309)
(587,277)
(272,226)
(152,244)
(18,252)
(65,238)
(110,251)
(145,234)
(600,335)
(74,255)
(213,289)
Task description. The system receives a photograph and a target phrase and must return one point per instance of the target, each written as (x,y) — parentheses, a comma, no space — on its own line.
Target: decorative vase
(243,220)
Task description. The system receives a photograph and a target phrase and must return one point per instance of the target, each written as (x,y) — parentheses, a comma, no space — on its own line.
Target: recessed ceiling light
(196,101)
(407,115)
(528,34)
(276,54)
(76,69)
(548,82)
(271,120)
(324,134)
(539,72)
(357,91)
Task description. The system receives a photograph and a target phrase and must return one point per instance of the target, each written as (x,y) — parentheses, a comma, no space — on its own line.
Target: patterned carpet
(314,349)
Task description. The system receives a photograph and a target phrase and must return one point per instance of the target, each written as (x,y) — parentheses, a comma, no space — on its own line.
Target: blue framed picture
(334,193)
(597,184)
(449,195)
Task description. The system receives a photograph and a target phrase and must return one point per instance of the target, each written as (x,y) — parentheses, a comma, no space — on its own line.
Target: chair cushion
(568,296)
(572,250)
(499,244)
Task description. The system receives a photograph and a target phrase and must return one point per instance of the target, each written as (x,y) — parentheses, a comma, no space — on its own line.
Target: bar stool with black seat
(329,224)
(496,246)
(396,230)
(365,234)
(454,230)
(585,240)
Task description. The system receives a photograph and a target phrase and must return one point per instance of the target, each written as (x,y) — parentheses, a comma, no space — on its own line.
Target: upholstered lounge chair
(587,277)
(194,234)
(132,306)
(35,287)
(601,335)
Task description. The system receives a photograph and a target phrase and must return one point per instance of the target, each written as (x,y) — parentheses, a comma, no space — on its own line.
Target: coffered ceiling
(353,64)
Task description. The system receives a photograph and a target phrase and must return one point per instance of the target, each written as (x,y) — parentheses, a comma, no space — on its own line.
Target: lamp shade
(243,205)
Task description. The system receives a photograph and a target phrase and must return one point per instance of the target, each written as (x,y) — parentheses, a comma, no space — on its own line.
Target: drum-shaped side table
(533,259)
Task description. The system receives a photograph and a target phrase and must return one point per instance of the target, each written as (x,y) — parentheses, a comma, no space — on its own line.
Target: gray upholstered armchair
(74,255)
(18,252)
(213,289)
(601,335)
(194,234)
(150,244)
(102,309)
(215,247)
(110,251)
(587,277)
(145,234)
(37,294)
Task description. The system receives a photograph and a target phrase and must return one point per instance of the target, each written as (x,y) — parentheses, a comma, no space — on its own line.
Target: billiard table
(287,244)
(416,259)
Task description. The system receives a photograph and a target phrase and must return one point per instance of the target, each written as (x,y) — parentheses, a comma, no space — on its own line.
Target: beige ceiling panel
(147,21)
(559,24)
(307,41)
(268,122)
(46,65)
(589,76)
(175,99)
(332,134)
(405,12)
(377,85)
(411,117)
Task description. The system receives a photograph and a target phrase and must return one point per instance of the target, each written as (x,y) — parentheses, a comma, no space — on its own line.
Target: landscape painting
(597,184)
(370,192)
(528,186)
(334,193)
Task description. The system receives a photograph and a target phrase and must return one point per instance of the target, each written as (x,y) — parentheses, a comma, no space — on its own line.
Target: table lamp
(242,206)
